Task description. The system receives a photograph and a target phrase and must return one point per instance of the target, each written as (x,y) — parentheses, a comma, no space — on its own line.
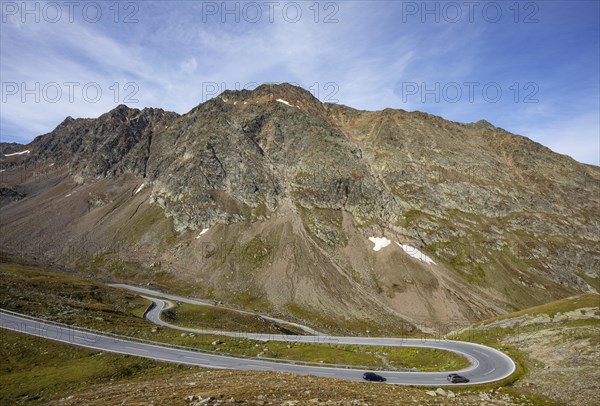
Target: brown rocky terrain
(290,190)
(245,388)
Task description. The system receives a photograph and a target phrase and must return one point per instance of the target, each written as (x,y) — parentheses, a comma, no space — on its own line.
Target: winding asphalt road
(487,364)
(182,299)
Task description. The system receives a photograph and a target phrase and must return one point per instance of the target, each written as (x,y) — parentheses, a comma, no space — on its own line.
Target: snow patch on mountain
(380,242)
(202,232)
(284,102)
(18,153)
(415,253)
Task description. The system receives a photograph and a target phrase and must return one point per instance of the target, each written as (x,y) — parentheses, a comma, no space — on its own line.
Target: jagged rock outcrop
(115,143)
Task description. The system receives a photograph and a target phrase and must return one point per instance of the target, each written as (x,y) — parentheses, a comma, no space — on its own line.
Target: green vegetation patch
(555,307)
(218,318)
(421,359)
(325,224)
(256,252)
(35,370)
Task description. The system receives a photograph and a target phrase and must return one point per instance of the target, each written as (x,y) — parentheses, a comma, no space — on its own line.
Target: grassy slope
(217,318)
(70,299)
(208,317)
(556,347)
(35,369)
(195,316)
(552,308)
(489,332)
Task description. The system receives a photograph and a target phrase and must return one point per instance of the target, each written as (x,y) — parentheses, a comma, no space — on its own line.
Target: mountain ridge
(291,188)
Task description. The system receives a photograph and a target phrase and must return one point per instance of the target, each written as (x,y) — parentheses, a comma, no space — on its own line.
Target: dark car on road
(456,378)
(373,377)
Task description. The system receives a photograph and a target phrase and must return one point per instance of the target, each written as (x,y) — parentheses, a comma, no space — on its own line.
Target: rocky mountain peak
(121,108)
(285,90)
(68,120)
(484,124)
(121,112)
(267,94)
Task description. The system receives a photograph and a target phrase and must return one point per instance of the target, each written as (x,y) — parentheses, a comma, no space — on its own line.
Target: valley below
(567,329)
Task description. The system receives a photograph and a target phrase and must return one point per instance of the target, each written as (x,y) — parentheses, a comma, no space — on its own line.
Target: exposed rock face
(10,194)
(508,222)
(260,151)
(115,143)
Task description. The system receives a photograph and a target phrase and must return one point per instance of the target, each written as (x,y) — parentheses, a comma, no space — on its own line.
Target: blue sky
(444,58)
